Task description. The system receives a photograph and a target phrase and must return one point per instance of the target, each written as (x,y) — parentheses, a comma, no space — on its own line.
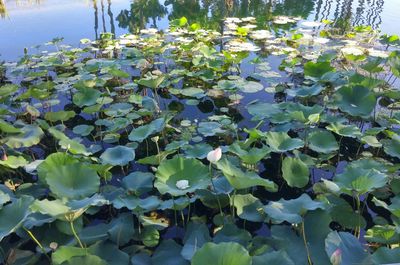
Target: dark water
(26,23)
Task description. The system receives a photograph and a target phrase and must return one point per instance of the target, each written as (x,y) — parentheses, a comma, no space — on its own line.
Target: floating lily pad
(322,142)
(73,181)
(30,135)
(355,100)
(141,133)
(281,142)
(118,155)
(178,168)
(295,172)
(222,254)
(293,210)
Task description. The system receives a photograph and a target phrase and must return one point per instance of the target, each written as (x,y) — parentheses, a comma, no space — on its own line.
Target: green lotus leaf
(153,82)
(295,172)
(360,180)
(138,182)
(171,171)
(260,110)
(194,92)
(8,90)
(54,208)
(197,234)
(281,142)
(73,181)
(248,207)
(391,147)
(304,92)
(394,207)
(53,161)
(8,128)
(12,215)
(251,156)
(73,146)
(322,142)
(109,253)
(168,253)
(317,69)
(355,100)
(199,151)
(86,97)
(383,234)
(83,129)
(210,128)
(293,210)
(118,109)
(384,255)
(118,73)
(250,86)
(139,134)
(65,253)
(86,259)
(352,252)
(243,180)
(30,135)
(14,162)
(344,130)
(343,213)
(61,115)
(118,155)
(273,257)
(222,254)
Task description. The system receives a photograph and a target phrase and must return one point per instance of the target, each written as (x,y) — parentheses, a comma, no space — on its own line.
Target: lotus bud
(336,257)
(182,184)
(4,157)
(214,155)
(155,139)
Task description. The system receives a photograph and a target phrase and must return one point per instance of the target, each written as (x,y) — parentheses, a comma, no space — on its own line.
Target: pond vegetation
(272,143)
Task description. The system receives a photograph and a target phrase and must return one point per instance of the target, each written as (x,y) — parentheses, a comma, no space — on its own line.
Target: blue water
(27,23)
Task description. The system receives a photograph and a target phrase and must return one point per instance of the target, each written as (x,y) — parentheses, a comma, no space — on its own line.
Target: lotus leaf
(322,141)
(72,181)
(293,210)
(222,254)
(295,172)
(178,168)
(141,133)
(281,142)
(242,180)
(30,135)
(118,155)
(355,100)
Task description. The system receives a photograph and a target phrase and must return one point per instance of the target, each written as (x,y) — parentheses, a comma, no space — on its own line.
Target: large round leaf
(73,181)
(295,172)
(360,180)
(118,155)
(281,142)
(322,142)
(53,161)
(293,210)
(355,100)
(181,169)
(30,135)
(222,254)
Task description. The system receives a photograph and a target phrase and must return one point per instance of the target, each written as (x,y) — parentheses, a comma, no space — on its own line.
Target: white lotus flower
(214,155)
(182,184)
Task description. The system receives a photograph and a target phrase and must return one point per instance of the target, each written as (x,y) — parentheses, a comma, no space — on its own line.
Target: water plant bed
(254,145)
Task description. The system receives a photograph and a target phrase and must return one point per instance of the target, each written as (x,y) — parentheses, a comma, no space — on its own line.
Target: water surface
(27,23)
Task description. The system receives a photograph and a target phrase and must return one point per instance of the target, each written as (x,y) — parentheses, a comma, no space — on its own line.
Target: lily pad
(355,100)
(118,155)
(322,142)
(281,142)
(295,172)
(222,254)
(293,210)
(178,168)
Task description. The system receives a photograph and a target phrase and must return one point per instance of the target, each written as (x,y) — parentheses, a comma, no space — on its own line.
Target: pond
(199,132)
(24,24)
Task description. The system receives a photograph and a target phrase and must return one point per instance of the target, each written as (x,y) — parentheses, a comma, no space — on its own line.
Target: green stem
(37,242)
(216,195)
(305,243)
(75,234)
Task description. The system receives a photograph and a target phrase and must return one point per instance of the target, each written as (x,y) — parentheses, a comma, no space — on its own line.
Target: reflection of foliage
(140,13)
(296,8)
(3,10)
